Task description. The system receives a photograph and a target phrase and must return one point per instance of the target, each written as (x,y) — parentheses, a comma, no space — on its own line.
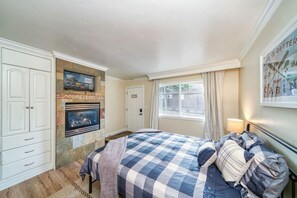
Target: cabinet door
(39,100)
(15,100)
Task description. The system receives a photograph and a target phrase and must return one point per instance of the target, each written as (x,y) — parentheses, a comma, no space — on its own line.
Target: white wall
(192,127)
(114,105)
(280,121)
(182,126)
(230,95)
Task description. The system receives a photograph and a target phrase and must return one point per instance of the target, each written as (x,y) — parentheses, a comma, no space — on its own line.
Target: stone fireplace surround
(69,149)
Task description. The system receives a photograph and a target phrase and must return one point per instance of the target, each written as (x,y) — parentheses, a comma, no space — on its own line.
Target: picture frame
(278,69)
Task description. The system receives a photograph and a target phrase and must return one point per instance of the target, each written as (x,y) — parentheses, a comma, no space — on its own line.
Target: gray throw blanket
(109,162)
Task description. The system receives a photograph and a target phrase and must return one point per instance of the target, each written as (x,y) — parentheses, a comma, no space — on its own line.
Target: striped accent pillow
(267,175)
(233,161)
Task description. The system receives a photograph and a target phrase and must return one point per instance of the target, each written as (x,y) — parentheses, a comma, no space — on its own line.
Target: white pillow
(233,161)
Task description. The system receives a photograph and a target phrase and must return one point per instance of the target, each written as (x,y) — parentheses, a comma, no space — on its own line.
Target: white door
(134,108)
(15,100)
(39,100)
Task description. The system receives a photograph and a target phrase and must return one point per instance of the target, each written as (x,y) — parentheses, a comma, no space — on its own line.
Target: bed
(161,164)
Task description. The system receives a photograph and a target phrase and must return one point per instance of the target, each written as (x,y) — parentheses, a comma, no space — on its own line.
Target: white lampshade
(234,125)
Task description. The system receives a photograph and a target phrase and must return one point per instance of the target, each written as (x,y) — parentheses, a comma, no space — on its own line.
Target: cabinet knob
(32,138)
(27,107)
(29,151)
(32,107)
(29,164)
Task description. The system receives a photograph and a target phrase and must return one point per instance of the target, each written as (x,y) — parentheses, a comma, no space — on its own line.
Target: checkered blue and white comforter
(164,165)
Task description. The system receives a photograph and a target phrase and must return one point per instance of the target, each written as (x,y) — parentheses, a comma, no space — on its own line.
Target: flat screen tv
(78,81)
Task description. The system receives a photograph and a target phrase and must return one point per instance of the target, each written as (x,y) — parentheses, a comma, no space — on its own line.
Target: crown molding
(264,19)
(78,61)
(114,78)
(284,33)
(138,79)
(25,48)
(230,64)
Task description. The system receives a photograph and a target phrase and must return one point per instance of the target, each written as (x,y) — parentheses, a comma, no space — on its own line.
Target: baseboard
(8,182)
(115,132)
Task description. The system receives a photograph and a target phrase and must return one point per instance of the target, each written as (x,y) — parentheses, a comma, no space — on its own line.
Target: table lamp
(235,125)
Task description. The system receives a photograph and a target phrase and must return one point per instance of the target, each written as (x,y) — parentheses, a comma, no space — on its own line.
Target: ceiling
(134,37)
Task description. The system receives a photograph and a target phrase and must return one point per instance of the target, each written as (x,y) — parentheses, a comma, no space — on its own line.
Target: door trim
(126,104)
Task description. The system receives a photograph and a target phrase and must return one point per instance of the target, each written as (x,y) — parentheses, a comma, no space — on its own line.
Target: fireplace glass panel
(81,118)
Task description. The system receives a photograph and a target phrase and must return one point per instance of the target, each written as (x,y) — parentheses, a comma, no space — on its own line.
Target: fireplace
(81,118)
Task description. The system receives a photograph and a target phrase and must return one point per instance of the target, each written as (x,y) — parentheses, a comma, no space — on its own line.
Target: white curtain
(154,116)
(213,91)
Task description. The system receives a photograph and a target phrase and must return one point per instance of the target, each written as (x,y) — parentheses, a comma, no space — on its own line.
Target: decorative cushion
(207,154)
(267,175)
(250,140)
(233,161)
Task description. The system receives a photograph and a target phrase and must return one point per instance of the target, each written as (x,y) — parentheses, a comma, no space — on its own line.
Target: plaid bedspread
(163,165)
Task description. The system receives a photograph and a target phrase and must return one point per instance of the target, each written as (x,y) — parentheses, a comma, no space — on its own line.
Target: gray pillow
(249,140)
(267,175)
(231,136)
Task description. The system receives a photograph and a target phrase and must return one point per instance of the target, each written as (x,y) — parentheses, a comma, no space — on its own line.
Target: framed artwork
(278,70)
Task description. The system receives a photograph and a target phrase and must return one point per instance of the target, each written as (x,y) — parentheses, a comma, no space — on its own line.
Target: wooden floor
(49,182)
(45,184)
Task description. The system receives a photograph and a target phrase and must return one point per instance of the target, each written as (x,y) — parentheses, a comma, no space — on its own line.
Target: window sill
(201,119)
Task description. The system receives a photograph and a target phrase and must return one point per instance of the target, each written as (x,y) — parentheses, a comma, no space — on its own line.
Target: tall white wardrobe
(26,146)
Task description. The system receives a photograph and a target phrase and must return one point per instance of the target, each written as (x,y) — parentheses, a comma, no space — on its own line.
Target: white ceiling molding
(78,61)
(26,48)
(113,78)
(230,64)
(266,16)
(284,33)
(138,79)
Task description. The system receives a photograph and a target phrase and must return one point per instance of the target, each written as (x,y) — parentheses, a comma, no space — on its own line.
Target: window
(182,100)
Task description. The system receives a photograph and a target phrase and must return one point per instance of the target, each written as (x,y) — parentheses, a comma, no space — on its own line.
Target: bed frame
(292,176)
(293,148)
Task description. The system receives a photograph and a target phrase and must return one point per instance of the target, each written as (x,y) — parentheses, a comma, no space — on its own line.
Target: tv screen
(79,82)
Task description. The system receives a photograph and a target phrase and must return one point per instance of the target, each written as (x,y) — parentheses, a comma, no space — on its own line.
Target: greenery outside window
(185,100)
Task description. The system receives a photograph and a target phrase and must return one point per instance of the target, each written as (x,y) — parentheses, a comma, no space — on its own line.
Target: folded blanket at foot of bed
(105,162)
(109,162)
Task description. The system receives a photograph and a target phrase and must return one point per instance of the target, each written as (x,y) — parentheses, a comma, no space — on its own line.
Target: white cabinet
(26,135)
(21,166)
(15,141)
(26,100)
(24,152)
(39,100)
(15,100)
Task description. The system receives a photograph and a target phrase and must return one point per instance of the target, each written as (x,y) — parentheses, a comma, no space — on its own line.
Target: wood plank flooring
(50,182)
(45,184)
